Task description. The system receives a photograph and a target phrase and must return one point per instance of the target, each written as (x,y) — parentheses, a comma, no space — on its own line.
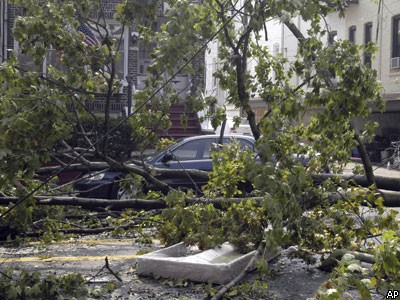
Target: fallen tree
(382,182)
(391,199)
(338,84)
(88,203)
(139,204)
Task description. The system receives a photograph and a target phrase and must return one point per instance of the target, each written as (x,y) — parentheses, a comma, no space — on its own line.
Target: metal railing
(117,106)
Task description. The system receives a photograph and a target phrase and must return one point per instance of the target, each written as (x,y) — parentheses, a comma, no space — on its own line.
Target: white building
(379,22)
(365,20)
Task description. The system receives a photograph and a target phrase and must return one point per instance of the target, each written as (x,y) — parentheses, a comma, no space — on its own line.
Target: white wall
(281,40)
(367,11)
(356,14)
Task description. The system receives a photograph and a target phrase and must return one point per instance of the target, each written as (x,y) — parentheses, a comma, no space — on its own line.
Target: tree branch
(332,261)
(226,32)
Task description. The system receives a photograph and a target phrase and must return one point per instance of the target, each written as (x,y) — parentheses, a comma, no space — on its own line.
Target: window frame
(352,34)
(395,51)
(188,146)
(368,27)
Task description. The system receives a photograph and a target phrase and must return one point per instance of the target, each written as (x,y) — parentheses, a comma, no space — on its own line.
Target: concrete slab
(218,265)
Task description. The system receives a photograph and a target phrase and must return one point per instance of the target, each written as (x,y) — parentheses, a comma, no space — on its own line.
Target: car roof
(235,136)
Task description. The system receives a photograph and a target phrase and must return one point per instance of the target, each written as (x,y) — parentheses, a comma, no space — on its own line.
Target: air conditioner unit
(395,63)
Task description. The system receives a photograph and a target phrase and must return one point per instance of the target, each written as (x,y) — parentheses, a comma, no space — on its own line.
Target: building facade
(131,68)
(365,21)
(378,22)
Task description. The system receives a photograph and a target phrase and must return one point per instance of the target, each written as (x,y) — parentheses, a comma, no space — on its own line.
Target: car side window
(244,144)
(209,146)
(188,151)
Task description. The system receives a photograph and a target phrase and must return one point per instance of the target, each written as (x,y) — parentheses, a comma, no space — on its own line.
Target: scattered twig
(106,266)
(5,275)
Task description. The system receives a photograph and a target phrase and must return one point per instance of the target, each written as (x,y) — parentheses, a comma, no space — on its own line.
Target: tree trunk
(369,172)
(392,199)
(90,203)
(93,203)
(384,183)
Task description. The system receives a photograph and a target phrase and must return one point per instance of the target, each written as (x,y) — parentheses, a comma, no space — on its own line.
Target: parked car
(189,153)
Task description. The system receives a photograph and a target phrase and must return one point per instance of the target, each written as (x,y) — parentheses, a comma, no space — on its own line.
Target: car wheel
(123,194)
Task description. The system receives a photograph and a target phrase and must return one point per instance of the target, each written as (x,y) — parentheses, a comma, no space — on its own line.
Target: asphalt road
(88,258)
(83,256)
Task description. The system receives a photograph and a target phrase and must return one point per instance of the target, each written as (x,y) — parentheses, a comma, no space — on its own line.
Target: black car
(189,153)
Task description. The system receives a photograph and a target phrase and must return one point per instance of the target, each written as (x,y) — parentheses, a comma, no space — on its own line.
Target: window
(155,26)
(187,151)
(214,69)
(352,34)
(193,150)
(367,39)
(396,37)
(244,144)
(332,37)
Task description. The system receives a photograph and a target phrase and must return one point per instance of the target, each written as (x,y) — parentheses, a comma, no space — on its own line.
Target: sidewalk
(378,168)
